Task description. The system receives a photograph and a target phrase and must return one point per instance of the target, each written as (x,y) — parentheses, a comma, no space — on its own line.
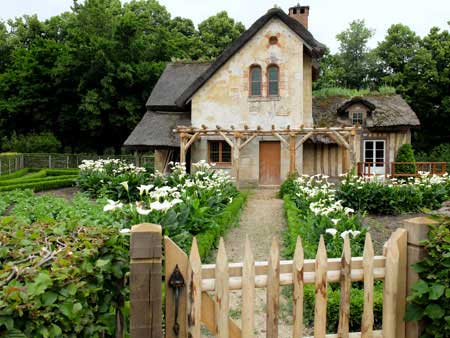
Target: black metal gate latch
(176,282)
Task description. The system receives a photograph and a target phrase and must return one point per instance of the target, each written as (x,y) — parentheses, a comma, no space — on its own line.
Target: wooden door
(269,162)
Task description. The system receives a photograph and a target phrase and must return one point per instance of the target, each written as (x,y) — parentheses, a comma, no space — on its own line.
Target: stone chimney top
(300,13)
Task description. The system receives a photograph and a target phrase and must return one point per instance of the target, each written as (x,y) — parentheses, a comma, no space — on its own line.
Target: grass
(339,91)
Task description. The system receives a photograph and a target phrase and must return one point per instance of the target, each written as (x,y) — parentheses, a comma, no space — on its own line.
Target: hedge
(43,179)
(16,174)
(225,220)
(41,186)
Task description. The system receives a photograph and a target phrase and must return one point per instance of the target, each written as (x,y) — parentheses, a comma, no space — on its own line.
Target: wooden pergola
(289,137)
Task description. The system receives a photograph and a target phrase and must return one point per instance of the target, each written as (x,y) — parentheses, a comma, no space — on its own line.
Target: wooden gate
(204,299)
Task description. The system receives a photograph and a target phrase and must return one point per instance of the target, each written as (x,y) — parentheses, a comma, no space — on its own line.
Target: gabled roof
(389,111)
(156,129)
(174,80)
(313,47)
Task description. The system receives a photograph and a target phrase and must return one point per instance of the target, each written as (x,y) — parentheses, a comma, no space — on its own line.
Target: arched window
(255,81)
(273,77)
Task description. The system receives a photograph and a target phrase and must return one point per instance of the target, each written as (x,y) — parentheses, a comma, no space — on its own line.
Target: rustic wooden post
(417,231)
(236,156)
(145,281)
(182,148)
(292,153)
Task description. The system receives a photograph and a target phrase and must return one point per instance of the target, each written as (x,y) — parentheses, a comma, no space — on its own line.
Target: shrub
(14,175)
(429,300)
(62,268)
(405,154)
(43,185)
(32,143)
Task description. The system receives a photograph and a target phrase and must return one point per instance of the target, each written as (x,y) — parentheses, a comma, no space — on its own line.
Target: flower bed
(394,196)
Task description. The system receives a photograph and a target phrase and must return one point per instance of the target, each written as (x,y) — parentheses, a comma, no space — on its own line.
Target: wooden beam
(236,158)
(340,139)
(248,141)
(304,139)
(286,143)
(192,140)
(292,149)
(221,133)
(182,148)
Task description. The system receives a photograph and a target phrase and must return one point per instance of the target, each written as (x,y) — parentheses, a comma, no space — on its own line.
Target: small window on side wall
(273,80)
(219,152)
(357,118)
(255,81)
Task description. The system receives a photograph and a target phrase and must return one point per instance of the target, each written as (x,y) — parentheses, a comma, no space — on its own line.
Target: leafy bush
(393,197)
(339,91)
(103,178)
(41,185)
(405,154)
(32,143)
(429,300)
(14,175)
(62,268)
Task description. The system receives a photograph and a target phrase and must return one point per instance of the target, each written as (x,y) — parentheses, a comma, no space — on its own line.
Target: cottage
(252,111)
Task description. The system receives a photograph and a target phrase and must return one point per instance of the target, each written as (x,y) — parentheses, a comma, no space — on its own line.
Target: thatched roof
(156,129)
(177,76)
(311,46)
(387,111)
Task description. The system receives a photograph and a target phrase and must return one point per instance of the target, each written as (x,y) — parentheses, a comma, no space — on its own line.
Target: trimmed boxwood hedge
(16,174)
(43,185)
(36,180)
(225,220)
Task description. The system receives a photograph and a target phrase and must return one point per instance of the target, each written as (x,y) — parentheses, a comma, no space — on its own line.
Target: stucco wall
(224,99)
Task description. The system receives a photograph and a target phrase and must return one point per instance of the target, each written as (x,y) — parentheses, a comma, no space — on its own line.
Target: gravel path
(261,220)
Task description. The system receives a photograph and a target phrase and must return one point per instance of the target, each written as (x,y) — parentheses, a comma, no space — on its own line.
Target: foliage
(62,267)
(356,306)
(441,153)
(103,178)
(339,91)
(372,195)
(405,154)
(429,300)
(38,180)
(32,143)
(312,210)
(85,75)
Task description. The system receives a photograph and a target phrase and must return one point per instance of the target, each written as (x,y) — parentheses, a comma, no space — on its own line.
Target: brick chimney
(300,13)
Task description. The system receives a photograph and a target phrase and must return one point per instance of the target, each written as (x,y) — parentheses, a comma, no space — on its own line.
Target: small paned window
(273,79)
(357,118)
(219,152)
(255,81)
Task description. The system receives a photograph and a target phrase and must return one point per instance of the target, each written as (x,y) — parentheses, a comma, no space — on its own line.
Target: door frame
(259,162)
(375,169)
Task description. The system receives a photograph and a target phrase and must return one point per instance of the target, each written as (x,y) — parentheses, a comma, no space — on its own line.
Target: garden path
(261,220)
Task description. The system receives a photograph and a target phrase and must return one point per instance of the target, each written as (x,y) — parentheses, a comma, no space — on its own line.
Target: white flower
(345,233)
(164,206)
(125,231)
(112,205)
(176,201)
(335,221)
(355,233)
(331,231)
(125,185)
(142,211)
(145,188)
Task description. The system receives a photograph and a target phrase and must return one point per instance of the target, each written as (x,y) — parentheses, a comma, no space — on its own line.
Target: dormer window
(255,81)
(357,118)
(273,77)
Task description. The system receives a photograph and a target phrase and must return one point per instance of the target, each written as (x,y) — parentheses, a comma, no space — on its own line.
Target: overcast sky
(327,17)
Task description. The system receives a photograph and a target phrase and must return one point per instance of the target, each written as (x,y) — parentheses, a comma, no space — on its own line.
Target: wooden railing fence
(198,294)
(370,168)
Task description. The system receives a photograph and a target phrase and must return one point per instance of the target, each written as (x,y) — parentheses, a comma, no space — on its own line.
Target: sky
(327,17)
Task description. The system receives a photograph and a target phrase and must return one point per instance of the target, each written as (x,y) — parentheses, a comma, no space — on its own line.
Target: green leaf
(40,284)
(49,298)
(77,307)
(413,312)
(55,331)
(102,263)
(420,287)
(436,291)
(434,311)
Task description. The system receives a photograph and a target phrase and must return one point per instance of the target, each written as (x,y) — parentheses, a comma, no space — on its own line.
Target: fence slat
(390,290)
(297,330)
(248,291)
(320,309)
(222,301)
(344,303)
(367,317)
(273,290)
(194,279)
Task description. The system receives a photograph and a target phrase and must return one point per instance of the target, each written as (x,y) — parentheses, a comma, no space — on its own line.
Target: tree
(217,32)
(353,54)
(405,154)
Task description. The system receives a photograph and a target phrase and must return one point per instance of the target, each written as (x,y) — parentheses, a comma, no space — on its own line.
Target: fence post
(417,231)
(145,281)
